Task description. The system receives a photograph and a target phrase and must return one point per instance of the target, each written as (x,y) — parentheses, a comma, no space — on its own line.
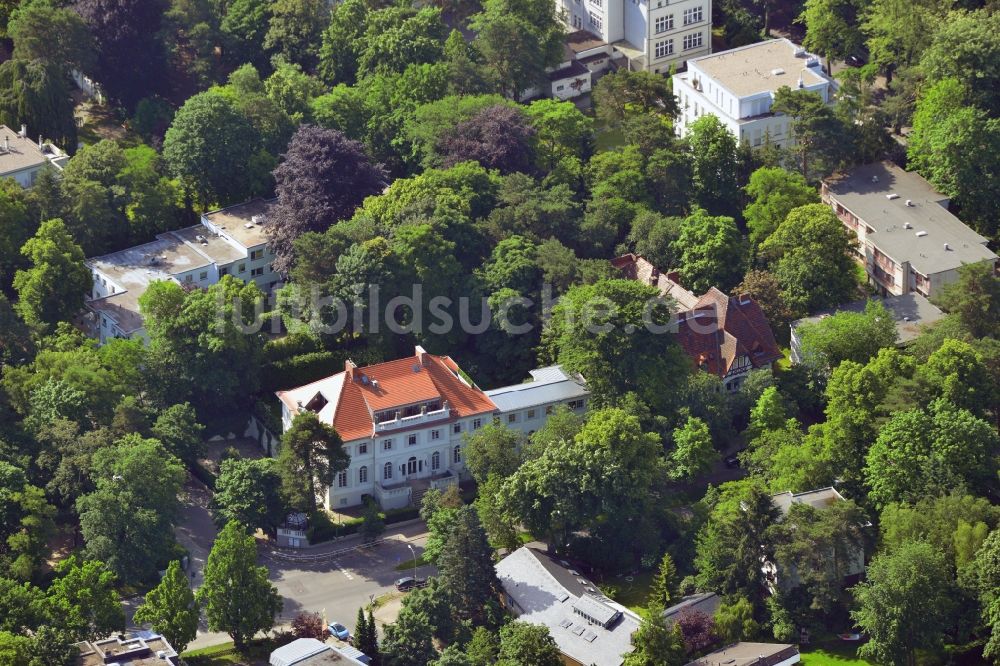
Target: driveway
(332,579)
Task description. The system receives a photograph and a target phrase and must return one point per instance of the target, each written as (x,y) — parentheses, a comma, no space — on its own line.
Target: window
(387,471)
(224,271)
(597,3)
(596,21)
(692,41)
(256,254)
(692,15)
(531,413)
(387,445)
(242,268)
(575,404)
(363,475)
(664,48)
(549,410)
(362,449)
(187,278)
(512,418)
(577,21)
(257,272)
(456,455)
(411,465)
(664,23)
(104,322)
(457,428)
(436,461)
(203,275)
(435,434)
(411,440)
(342,480)
(477,424)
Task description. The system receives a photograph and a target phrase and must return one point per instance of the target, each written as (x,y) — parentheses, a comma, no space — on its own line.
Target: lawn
(634,593)
(407,565)
(841,653)
(257,654)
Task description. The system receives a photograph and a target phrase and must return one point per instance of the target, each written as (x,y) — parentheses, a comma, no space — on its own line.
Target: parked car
(733,461)
(409,582)
(337,630)
(855,61)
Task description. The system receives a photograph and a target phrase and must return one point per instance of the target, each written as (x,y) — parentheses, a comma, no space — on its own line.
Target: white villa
(738,87)
(403,422)
(646,35)
(22,159)
(230,241)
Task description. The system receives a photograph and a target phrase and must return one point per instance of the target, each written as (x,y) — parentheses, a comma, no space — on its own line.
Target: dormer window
(317,403)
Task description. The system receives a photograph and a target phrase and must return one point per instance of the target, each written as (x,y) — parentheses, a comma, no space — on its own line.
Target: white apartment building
(22,159)
(526,407)
(651,35)
(404,422)
(229,241)
(907,239)
(738,87)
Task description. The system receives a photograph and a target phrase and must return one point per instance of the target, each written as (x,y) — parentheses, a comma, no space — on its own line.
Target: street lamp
(414,553)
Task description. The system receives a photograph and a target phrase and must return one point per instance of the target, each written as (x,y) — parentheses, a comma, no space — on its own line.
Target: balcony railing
(409,421)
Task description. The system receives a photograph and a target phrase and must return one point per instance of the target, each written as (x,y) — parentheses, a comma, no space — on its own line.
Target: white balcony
(415,420)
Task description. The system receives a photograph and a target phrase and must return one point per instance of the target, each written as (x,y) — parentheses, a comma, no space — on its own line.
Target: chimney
(947,247)
(24,131)
(674,276)
(744,299)
(349,368)
(421,355)
(39,142)
(6,144)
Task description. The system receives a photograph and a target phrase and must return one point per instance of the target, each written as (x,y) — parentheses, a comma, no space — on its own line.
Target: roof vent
(248,225)
(874,179)
(907,225)
(921,234)
(946,247)
(777,71)
(909,202)
(892,196)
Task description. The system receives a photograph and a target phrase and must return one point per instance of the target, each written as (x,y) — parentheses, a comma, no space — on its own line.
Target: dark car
(409,582)
(855,61)
(733,461)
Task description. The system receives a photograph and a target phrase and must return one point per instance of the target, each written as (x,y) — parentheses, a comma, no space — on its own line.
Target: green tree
(249,492)
(975,298)
(128,520)
(366,635)
(52,289)
(237,596)
(919,452)
(966,46)
(734,621)
(716,166)
(693,454)
(731,544)
(562,132)
(467,571)
(243,29)
(295,28)
(816,128)
(493,449)
(905,605)
(84,598)
(626,94)
(832,29)
(654,643)
(662,591)
(38,95)
(46,32)
(517,40)
(710,251)
(524,644)
(210,147)
(982,575)
(171,608)
(822,546)
(774,193)
(936,520)
(810,255)
(178,430)
(309,459)
(957,373)
(409,640)
(847,336)
(899,32)
(372,525)
(600,331)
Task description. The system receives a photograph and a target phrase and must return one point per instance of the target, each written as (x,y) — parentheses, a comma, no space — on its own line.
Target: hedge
(201,473)
(301,369)
(321,528)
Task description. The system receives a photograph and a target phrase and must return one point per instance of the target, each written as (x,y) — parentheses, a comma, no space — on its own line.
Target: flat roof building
(526,406)
(230,241)
(143,648)
(22,159)
(911,312)
(738,87)
(907,238)
(751,654)
(310,652)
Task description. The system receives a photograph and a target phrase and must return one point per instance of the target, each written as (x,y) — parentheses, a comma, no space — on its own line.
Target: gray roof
(547,591)
(704,602)
(19,153)
(917,232)
(910,311)
(309,652)
(761,67)
(819,498)
(749,654)
(547,385)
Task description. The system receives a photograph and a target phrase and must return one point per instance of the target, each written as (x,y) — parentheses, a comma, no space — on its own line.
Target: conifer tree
(664,582)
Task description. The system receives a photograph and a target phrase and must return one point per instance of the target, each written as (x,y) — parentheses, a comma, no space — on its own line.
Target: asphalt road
(333,579)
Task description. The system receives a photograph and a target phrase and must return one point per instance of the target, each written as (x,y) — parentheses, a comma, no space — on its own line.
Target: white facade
(652,35)
(230,241)
(738,87)
(22,158)
(527,406)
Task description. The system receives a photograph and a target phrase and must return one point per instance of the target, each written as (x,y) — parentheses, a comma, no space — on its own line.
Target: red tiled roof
(357,393)
(714,329)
